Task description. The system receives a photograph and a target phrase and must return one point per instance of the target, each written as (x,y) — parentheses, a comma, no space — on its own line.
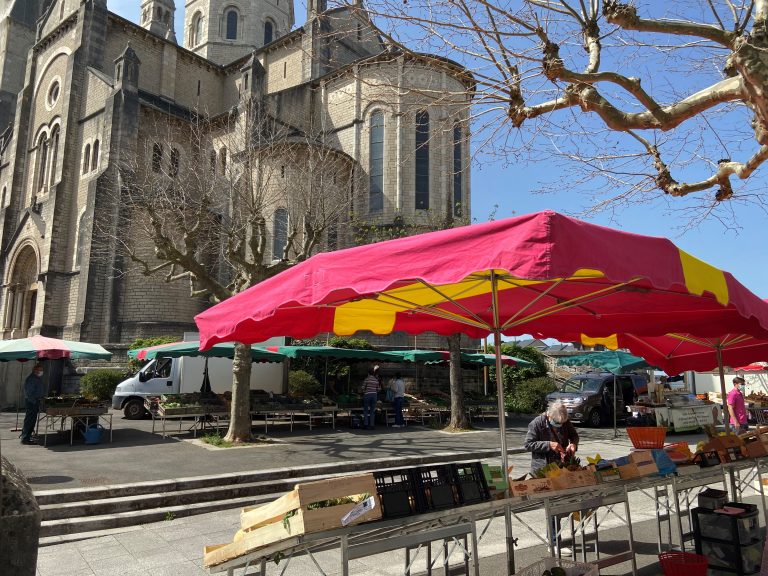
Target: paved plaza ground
(175,547)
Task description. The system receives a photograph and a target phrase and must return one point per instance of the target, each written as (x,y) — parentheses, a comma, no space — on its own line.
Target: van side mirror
(143,376)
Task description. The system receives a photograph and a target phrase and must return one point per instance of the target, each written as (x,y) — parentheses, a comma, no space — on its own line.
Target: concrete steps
(78,513)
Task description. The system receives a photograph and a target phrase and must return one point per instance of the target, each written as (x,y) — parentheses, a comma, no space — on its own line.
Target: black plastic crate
(399,492)
(438,485)
(740,529)
(727,556)
(470,482)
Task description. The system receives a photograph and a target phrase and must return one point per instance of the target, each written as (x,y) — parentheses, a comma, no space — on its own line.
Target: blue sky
(735,242)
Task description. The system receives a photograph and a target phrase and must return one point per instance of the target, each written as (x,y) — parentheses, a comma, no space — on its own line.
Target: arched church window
(376,162)
(280,233)
(174,169)
(422,161)
(42,150)
(196,29)
(213,161)
(95,156)
(231,19)
(54,154)
(223,159)
(157,157)
(458,169)
(268,32)
(87,159)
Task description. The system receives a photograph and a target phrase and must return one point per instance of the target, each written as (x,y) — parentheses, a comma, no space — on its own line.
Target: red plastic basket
(683,564)
(647,436)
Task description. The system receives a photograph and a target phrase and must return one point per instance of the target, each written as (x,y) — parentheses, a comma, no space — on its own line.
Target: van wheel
(134,410)
(595,419)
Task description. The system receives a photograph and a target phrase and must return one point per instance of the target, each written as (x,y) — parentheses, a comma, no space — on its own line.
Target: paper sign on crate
(297,513)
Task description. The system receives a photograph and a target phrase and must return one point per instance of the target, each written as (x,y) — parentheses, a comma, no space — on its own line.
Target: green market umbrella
(614,361)
(329,352)
(435,356)
(192,348)
(44,348)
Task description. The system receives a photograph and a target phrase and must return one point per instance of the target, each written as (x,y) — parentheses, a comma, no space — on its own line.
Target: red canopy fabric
(675,353)
(542,273)
(751,368)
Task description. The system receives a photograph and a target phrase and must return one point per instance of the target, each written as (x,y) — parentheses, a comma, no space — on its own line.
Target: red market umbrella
(676,352)
(751,368)
(540,273)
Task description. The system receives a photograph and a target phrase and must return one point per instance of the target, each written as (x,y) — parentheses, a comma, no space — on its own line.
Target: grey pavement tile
(90,543)
(121,571)
(106,551)
(175,533)
(65,563)
(177,569)
(140,542)
(158,559)
(192,548)
(101,564)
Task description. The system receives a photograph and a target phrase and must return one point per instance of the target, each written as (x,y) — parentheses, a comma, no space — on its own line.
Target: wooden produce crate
(730,448)
(179,410)
(756,442)
(293,515)
(530,487)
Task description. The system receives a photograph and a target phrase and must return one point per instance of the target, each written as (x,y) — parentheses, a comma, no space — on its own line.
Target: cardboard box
(730,448)
(608,474)
(530,487)
(638,464)
(573,479)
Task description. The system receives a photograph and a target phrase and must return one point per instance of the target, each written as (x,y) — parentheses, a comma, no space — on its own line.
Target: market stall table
(305,415)
(55,419)
(679,418)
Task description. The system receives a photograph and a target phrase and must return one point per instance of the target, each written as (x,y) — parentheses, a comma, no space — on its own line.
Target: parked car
(589,397)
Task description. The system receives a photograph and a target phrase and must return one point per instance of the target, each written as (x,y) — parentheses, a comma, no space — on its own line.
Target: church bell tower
(157,17)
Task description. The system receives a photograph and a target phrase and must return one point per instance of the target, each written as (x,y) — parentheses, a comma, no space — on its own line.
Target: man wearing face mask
(551,437)
(736,408)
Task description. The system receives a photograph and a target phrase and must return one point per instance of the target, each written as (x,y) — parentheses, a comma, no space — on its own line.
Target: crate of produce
(438,484)
(399,492)
(733,528)
(184,410)
(569,567)
(309,507)
(675,563)
(636,465)
(470,481)
(647,437)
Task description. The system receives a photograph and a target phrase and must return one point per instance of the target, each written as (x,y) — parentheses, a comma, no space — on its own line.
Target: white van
(182,375)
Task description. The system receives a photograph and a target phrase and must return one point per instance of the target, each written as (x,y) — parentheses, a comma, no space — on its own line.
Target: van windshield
(581,385)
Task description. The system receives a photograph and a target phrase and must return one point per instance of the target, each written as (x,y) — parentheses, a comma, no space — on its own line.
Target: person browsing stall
(370,391)
(398,394)
(34,390)
(736,407)
(551,437)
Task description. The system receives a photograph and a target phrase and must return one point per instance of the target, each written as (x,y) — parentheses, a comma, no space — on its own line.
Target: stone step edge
(147,487)
(82,525)
(285,485)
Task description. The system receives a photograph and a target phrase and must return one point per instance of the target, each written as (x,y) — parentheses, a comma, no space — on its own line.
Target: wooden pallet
(289,516)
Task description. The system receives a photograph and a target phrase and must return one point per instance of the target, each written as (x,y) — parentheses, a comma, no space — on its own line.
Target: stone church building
(83,90)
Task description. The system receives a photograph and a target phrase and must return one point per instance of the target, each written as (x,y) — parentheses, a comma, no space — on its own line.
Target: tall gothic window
(212,160)
(174,169)
(457,170)
(42,151)
(280,233)
(157,157)
(95,156)
(54,154)
(231,25)
(87,159)
(223,161)
(376,159)
(422,161)
(268,32)
(196,30)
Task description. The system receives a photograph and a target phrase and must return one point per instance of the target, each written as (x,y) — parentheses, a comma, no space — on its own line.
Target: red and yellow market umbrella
(541,273)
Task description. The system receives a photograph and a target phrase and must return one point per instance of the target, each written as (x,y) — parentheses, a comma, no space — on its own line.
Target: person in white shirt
(398,393)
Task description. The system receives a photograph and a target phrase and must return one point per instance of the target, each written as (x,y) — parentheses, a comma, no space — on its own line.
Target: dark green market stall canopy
(614,361)
(192,348)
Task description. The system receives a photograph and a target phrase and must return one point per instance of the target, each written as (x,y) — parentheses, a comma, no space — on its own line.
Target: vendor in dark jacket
(551,437)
